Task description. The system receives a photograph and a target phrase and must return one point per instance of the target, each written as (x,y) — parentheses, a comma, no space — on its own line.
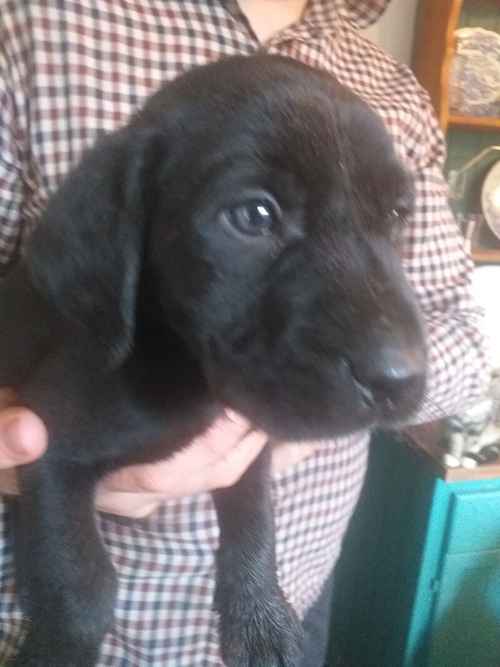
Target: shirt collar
(363,13)
(324,14)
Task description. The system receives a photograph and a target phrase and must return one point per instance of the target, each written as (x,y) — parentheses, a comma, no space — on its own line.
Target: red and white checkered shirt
(74,69)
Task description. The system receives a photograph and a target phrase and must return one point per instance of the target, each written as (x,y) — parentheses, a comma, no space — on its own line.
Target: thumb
(23,437)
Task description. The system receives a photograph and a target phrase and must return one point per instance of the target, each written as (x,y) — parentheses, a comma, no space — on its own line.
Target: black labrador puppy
(234,245)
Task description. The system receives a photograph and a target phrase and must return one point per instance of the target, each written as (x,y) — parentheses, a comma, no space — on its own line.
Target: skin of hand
(216,459)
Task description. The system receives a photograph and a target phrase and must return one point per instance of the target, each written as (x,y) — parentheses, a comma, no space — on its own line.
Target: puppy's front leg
(65,580)
(258,628)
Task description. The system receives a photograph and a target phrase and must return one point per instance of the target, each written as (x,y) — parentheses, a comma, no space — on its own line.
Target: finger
(288,454)
(184,465)
(23,437)
(147,478)
(184,474)
(220,438)
(229,469)
(132,505)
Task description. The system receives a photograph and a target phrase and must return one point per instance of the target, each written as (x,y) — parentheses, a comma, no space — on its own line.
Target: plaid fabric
(74,69)
(166,565)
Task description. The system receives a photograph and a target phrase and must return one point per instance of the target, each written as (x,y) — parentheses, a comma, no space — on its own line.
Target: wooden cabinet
(418,583)
(467,136)
(434,46)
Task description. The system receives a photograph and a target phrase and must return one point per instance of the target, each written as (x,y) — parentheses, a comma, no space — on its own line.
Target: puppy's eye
(254,217)
(396,214)
(397,219)
(400,215)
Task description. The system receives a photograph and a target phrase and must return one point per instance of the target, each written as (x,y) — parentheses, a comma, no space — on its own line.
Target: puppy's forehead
(285,113)
(273,113)
(260,95)
(329,140)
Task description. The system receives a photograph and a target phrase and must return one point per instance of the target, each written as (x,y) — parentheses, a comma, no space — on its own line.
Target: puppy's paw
(261,633)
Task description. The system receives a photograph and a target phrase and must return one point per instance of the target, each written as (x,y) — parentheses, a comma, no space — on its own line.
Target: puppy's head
(254,206)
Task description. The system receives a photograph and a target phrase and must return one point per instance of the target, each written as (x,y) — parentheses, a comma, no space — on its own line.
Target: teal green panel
(417,639)
(475,521)
(377,574)
(466,625)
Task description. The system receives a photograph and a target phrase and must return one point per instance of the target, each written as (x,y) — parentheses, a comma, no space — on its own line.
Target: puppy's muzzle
(390,381)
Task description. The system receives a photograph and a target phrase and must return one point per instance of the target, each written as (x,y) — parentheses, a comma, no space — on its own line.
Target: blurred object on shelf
(457,178)
(490,199)
(479,239)
(485,288)
(472,437)
(474,186)
(474,86)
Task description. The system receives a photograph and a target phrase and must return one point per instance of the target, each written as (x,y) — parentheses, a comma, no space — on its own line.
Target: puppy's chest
(168,392)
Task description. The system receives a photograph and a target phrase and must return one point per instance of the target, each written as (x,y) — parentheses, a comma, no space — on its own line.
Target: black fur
(233,245)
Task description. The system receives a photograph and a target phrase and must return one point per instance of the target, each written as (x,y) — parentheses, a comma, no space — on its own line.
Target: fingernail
(236,418)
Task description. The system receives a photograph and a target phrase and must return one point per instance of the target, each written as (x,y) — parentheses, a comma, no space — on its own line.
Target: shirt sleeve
(11,185)
(439,270)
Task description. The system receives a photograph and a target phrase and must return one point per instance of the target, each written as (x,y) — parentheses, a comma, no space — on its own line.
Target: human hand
(216,459)
(23,438)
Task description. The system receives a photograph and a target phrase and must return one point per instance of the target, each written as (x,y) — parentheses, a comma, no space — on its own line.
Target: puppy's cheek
(298,411)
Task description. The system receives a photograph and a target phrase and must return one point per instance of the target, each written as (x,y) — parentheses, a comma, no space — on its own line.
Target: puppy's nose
(391,379)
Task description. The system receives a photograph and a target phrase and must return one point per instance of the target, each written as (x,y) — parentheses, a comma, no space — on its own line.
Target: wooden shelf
(425,439)
(486,255)
(434,48)
(477,122)
(433,53)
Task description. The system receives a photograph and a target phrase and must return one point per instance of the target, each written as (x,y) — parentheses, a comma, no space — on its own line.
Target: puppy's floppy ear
(85,256)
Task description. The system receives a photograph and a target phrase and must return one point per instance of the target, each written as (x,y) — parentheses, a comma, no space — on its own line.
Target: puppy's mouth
(294,401)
